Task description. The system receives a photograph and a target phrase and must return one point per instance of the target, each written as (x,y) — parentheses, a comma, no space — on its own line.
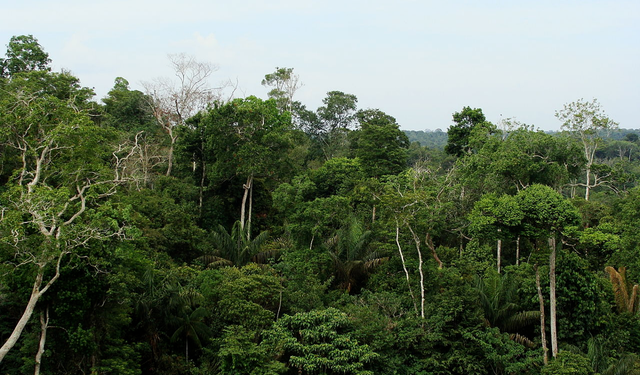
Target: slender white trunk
(543,334)
(499,255)
(250,209)
(518,251)
(588,184)
(417,242)
(36,293)
(404,267)
(552,297)
(202,178)
(246,188)
(44,325)
(26,315)
(171,147)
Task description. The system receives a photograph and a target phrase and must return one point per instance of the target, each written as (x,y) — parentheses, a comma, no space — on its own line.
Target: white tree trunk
(171,147)
(44,325)
(543,334)
(552,297)
(499,255)
(247,188)
(36,293)
(404,267)
(518,251)
(417,242)
(588,184)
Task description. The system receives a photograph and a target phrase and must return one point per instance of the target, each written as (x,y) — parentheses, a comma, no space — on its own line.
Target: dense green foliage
(291,241)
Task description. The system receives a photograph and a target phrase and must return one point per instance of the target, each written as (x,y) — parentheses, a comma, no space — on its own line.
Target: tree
(497,218)
(285,84)
(128,110)
(319,342)
(587,122)
(332,123)
(249,139)
(497,294)
(353,255)
(380,144)
(523,157)
(140,151)
(417,202)
(460,135)
(235,248)
(172,103)
(49,205)
(547,214)
(626,296)
(24,54)
(191,327)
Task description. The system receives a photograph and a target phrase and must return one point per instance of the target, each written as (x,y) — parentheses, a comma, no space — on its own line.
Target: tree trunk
(518,251)
(499,252)
(404,267)
(552,297)
(36,293)
(202,179)
(26,315)
(171,147)
(417,242)
(249,215)
(44,325)
(433,251)
(246,188)
(543,334)
(186,350)
(588,184)
(499,255)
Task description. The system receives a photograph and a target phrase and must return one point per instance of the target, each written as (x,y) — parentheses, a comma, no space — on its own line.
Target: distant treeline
(437,139)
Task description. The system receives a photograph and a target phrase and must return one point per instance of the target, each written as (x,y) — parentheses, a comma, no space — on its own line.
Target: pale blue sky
(418,61)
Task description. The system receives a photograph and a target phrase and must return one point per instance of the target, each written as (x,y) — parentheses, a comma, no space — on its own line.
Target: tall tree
(141,151)
(62,177)
(546,215)
(173,102)
(587,122)
(332,123)
(380,144)
(249,139)
(461,133)
(24,54)
(285,84)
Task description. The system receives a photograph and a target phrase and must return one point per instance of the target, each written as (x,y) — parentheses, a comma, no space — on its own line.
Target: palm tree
(353,256)
(601,364)
(626,298)
(496,295)
(235,247)
(191,327)
(165,304)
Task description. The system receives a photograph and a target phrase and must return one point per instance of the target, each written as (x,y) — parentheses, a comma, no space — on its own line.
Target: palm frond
(521,319)
(523,340)
(626,302)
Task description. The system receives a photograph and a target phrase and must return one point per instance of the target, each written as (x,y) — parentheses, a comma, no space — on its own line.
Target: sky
(418,61)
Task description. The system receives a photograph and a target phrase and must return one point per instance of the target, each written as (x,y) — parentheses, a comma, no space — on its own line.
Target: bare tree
(135,159)
(285,84)
(173,101)
(589,124)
